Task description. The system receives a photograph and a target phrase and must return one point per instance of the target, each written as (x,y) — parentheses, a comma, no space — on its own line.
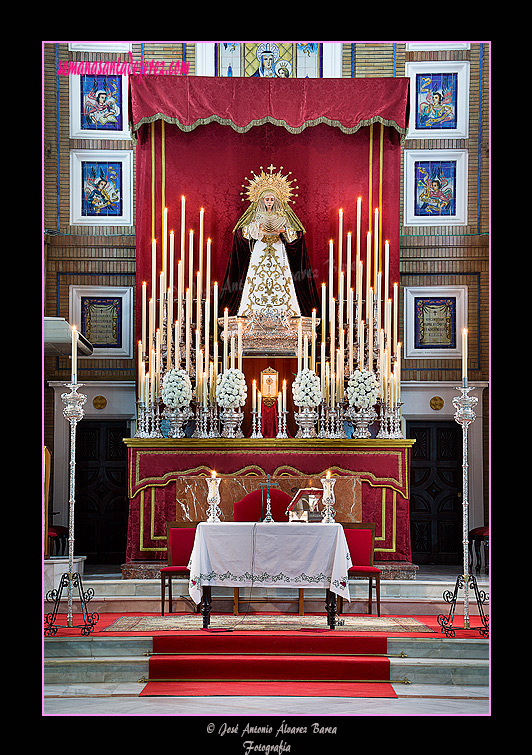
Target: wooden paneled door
(436,492)
(101,508)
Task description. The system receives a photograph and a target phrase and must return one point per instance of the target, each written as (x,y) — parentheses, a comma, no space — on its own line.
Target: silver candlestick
(464,415)
(213,499)
(328,484)
(74,413)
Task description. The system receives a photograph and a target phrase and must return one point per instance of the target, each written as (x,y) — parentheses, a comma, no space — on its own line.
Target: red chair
(252,508)
(180,541)
(360,541)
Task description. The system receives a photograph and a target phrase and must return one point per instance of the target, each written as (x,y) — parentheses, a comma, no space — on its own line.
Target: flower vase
(362,418)
(231,421)
(306,418)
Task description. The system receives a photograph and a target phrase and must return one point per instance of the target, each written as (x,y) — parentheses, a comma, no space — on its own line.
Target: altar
(167,481)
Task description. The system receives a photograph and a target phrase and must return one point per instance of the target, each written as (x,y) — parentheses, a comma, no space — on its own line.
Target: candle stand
(268,484)
(464,415)
(256,424)
(73,412)
(213,499)
(281,432)
(328,484)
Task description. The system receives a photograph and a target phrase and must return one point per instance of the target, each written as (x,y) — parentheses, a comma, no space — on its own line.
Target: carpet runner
(276,663)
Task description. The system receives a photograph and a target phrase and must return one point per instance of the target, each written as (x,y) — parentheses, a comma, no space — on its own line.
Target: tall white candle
(464,356)
(341,279)
(161,298)
(254,395)
(177,353)
(208,273)
(331,269)
(157,363)
(151,315)
(188,319)
(191,260)
(376,262)
(359,205)
(183,232)
(386,270)
(284,395)
(340,244)
(153,269)
(74,365)
(369,312)
(348,263)
(322,370)
(313,342)
(323,312)
(398,371)
(239,333)
(200,249)
(165,248)
(144,314)
(361,345)
(370,330)
(226,338)
(215,312)
(395,315)
(299,345)
(232,352)
(305,352)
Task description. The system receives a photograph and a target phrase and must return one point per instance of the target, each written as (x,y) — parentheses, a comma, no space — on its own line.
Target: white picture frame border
(462,69)
(76,293)
(74,98)
(410,294)
(77,156)
(411,156)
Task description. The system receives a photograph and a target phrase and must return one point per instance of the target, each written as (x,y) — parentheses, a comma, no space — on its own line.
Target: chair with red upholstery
(360,541)
(180,541)
(252,508)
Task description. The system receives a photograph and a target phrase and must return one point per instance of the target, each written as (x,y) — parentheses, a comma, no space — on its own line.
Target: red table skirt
(167,482)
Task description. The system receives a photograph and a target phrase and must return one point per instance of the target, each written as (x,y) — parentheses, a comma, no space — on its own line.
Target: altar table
(167,481)
(278,554)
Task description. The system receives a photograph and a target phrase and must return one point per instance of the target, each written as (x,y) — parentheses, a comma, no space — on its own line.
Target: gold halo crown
(276,181)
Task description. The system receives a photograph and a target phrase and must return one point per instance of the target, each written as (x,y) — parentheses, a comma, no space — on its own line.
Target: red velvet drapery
(201,137)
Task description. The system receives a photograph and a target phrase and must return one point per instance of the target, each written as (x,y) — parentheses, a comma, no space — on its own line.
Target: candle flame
(213,473)
(328,473)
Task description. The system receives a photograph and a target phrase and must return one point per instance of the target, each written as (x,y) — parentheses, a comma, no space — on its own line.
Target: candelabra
(328,499)
(74,413)
(281,431)
(464,415)
(213,499)
(256,429)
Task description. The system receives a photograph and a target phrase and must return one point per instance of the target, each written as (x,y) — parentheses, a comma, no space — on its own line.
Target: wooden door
(101,508)
(436,492)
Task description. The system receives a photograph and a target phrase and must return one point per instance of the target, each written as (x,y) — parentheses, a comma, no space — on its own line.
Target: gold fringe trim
(267,119)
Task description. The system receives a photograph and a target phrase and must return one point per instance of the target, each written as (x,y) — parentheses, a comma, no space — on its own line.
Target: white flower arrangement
(177,389)
(306,388)
(231,389)
(362,389)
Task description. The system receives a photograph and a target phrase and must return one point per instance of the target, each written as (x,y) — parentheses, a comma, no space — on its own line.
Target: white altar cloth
(278,554)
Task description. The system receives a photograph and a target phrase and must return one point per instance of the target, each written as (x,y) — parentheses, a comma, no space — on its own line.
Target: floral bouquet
(177,389)
(362,389)
(306,389)
(231,389)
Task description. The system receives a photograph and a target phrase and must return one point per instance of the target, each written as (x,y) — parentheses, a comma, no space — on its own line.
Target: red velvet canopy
(201,137)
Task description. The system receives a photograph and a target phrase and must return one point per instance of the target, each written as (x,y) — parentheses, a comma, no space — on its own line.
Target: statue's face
(269,201)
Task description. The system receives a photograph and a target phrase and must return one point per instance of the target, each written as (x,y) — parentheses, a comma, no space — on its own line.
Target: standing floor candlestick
(464,415)
(74,413)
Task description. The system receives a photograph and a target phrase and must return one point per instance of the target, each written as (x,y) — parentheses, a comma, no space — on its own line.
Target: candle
(359,204)
(386,270)
(348,263)
(369,315)
(299,344)
(177,354)
(165,247)
(143,316)
(305,352)
(157,362)
(198,300)
(75,336)
(331,269)
(376,262)
(313,342)
(395,314)
(259,402)
(215,313)
(361,345)
(226,337)
(151,314)
(332,319)
(323,312)
(284,395)
(153,268)
(200,247)
(341,301)
(183,231)
(232,352)
(188,316)
(279,404)
(171,276)
(340,240)
(464,356)
(179,298)
(168,334)
(378,300)
(254,395)
(161,299)
(398,371)
(240,346)
(322,371)
(190,260)
(369,312)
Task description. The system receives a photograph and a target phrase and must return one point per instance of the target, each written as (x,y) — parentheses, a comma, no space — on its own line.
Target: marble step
(116,660)
(398,597)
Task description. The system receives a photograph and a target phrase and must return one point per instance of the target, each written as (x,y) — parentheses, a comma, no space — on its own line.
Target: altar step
(97,660)
(398,597)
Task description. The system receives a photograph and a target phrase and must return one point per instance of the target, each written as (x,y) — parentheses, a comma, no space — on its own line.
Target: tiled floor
(412,700)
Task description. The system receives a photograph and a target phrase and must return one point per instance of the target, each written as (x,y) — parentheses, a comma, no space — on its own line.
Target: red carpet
(261,663)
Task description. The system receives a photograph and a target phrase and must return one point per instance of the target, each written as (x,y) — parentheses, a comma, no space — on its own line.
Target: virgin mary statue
(269,267)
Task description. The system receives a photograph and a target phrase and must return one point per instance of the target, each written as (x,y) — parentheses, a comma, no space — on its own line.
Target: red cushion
(359,544)
(480,532)
(174,569)
(252,508)
(181,541)
(364,569)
